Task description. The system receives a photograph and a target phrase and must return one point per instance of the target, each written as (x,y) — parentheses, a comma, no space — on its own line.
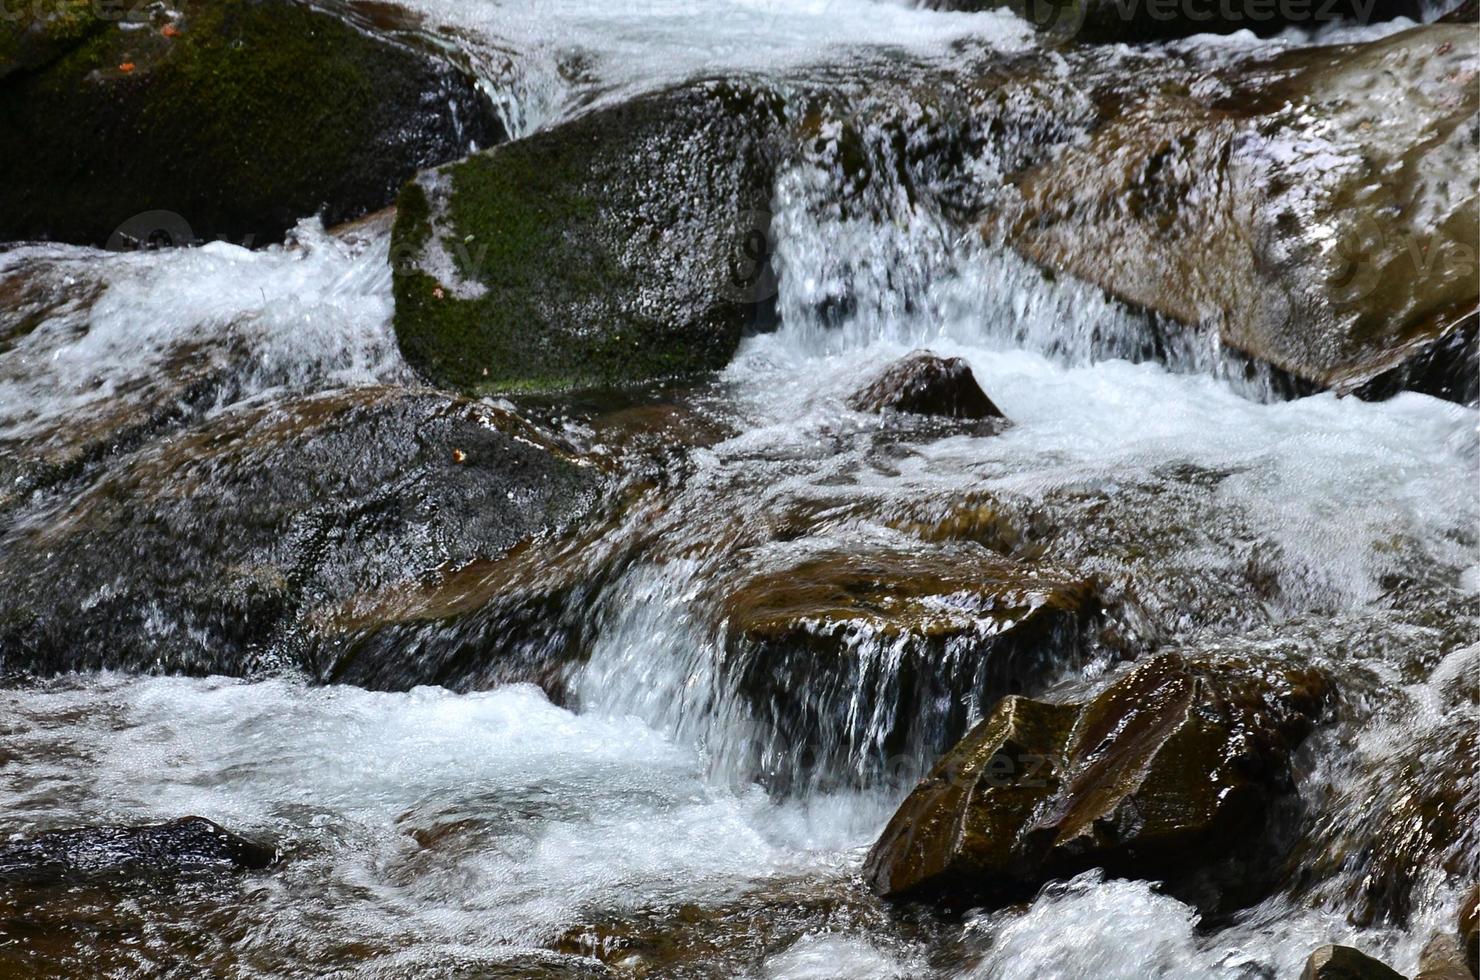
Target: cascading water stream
(431,828)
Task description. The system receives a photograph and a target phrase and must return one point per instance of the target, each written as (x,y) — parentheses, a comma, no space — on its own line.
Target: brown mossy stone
(957,830)
(853,662)
(603,251)
(240,116)
(1350,276)
(1179,771)
(33,34)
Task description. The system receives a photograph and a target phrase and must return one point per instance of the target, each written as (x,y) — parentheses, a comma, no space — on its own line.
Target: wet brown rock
(886,653)
(1179,771)
(1345,963)
(1296,214)
(190,844)
(924,383)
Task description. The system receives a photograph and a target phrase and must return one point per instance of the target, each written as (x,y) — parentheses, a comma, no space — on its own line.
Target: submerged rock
(850,660)
(1291,206)
(924,383)
(158,851)
(225,119)
(1179,772)
(1346,963)
(219,550)
(625,245)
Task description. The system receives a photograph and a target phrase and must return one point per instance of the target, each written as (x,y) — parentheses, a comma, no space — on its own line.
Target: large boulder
(232,118)
(627,244)
(851,662)
(222,549)
(1179,772)
(1318,210)
(1150,20)
(158,851)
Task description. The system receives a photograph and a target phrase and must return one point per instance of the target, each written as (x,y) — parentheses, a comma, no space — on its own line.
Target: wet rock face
(159,851)
(1345,963)
(223,119)
(625,245)
(1294,209)
(1150,20)
(850,660)
(1179,772)
(228,548)
(925,383)
(1429,822)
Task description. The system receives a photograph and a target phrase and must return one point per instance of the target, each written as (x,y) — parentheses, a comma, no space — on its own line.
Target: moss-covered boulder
(852,662)
(1179,772)
(625,245)
(221,549)
(227,118)
(924,383)
(1152,20)
(1318,210)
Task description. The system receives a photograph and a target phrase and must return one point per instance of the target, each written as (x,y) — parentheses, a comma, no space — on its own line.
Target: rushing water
(431,833)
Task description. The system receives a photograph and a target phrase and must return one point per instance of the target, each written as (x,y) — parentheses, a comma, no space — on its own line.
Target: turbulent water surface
(431,833)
